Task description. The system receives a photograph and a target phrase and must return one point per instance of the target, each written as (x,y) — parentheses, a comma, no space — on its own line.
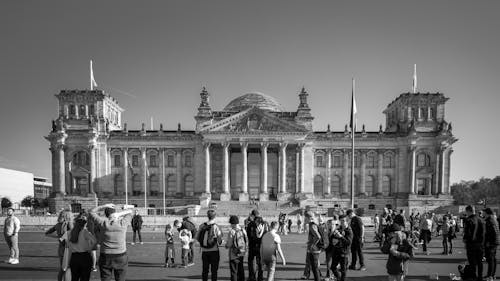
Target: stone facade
(252,149)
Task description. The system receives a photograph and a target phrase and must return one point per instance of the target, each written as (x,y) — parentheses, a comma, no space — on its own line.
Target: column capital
(264,145)
(206,145)
(244,144)
(283,145)
(91,147)
(225,145)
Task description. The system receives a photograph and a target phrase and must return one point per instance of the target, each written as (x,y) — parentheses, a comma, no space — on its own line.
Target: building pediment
(254,120)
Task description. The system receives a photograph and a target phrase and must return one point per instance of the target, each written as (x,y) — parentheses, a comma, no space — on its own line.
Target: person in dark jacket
(474,241)
(313,250)
(63,225)
(255,230)
(490,243)
(400,219)
(358,238)
(136,226)
(399,254)
(187,223)
(340,245)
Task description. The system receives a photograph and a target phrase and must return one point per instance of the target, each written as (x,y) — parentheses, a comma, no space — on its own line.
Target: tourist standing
(186,238)
(255,230)
(136,226)
(340,245)
(314,248)
(300,219)
(237,244)
(376,228)
(187,223)
(490,243)
(330,228)
(80,243)
(210,237)
(399,254)
(400,219)
(11,228)
(447,232)
(474,241)
(63,225)
(426,224)
(169,247)
(358,237)
(270,245)
(113,260)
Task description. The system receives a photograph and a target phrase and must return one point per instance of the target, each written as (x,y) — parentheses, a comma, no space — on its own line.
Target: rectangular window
(337,161)
(152,161)
(422,186)
(319,161)
(135,160)
(188,161)
(170,161)
(117,161)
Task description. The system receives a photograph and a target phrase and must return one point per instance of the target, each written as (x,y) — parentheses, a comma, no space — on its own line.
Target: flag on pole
(353,121)
(92,80)
(414,87)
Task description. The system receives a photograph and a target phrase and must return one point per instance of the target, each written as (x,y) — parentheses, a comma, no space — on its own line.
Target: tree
(6,203)
(28,201)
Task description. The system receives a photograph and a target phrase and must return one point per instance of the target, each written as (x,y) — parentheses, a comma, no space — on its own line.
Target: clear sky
(154,57)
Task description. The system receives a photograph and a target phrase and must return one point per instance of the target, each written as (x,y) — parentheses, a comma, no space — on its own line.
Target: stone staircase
(268,208)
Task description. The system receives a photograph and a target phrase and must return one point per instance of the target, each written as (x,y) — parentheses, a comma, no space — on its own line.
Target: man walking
(210,237)
(255,230)
(10,232)
(113,261)
(136,226)
(474,241)
(491,243)
(358,237)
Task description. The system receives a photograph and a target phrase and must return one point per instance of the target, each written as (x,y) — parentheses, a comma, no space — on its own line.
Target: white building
(15,185)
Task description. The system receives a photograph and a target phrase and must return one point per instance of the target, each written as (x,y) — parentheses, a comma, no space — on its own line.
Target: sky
(154,57)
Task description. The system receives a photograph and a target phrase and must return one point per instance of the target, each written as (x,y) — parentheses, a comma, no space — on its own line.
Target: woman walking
(80,244)
(63,225)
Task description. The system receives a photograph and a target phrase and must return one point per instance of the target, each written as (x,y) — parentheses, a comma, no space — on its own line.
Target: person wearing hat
(255,230)
(237,244)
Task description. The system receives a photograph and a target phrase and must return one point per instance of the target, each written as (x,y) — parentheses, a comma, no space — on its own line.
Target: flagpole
(353,129)
(91,74)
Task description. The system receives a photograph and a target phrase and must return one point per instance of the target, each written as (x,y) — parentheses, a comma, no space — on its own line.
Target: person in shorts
(269,248)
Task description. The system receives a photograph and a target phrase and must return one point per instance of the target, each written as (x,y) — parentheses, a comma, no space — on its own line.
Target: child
(169,250)
(185,236)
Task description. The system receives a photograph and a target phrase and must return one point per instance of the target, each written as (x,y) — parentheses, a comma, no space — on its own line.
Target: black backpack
(386,245)
(189,225)
(206,237)
(324,241)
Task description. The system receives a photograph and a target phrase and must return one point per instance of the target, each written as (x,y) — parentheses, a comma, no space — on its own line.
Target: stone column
(435,189)
(264,196)
(125,173)
(362,186)
(297,169)
(86,111)
(61,171)
(206,147)
(345,178)
(412,171)
(328,190)
(380,176)
(443,167)
(225,196)
(66,111)
(283,194)
(162,176)
(178,170)
(92,152)
(244,181)
(301,174)
(144,176)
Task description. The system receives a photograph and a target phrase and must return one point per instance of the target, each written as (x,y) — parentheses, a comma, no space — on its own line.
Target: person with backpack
(255,230)
(314,246)
(448,234)
(269,249)
(188,224)
(358,238)
(490,243)
(209,236)
(339,248)
(399,253)
(237,244)
(63,225)
(474,241)
(136,227)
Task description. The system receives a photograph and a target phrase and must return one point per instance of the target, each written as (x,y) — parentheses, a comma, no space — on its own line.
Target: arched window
(136,185)
(188,160)
(386,186)
(337,160)
(369,185)
(154,185)
(170,160)
(152,161)
(171,184)
(189,185)
(336,185)
(388,161)
(318,186)
(423,160)
(81,110)
(72,110)
(117,162)
(118,184)
(371,160)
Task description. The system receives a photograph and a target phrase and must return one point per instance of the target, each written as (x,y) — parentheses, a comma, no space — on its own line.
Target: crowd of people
(341,239)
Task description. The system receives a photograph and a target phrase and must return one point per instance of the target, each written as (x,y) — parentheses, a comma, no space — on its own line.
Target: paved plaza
(39,261)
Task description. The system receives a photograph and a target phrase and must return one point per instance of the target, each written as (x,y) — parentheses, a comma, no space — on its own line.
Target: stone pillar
(412,171)
(162,175)
(86,111)
(92,152)
(144,176)
(443,167)
(328,190)
(380,175)
(345,178)
(301,174)
(244,180)
(178,170)
(362,186)
(225,196)
(429,115)
(60,167)
(264,196)
(206,147)
(297,169)
(125,173)
(283,194)
(436,189)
